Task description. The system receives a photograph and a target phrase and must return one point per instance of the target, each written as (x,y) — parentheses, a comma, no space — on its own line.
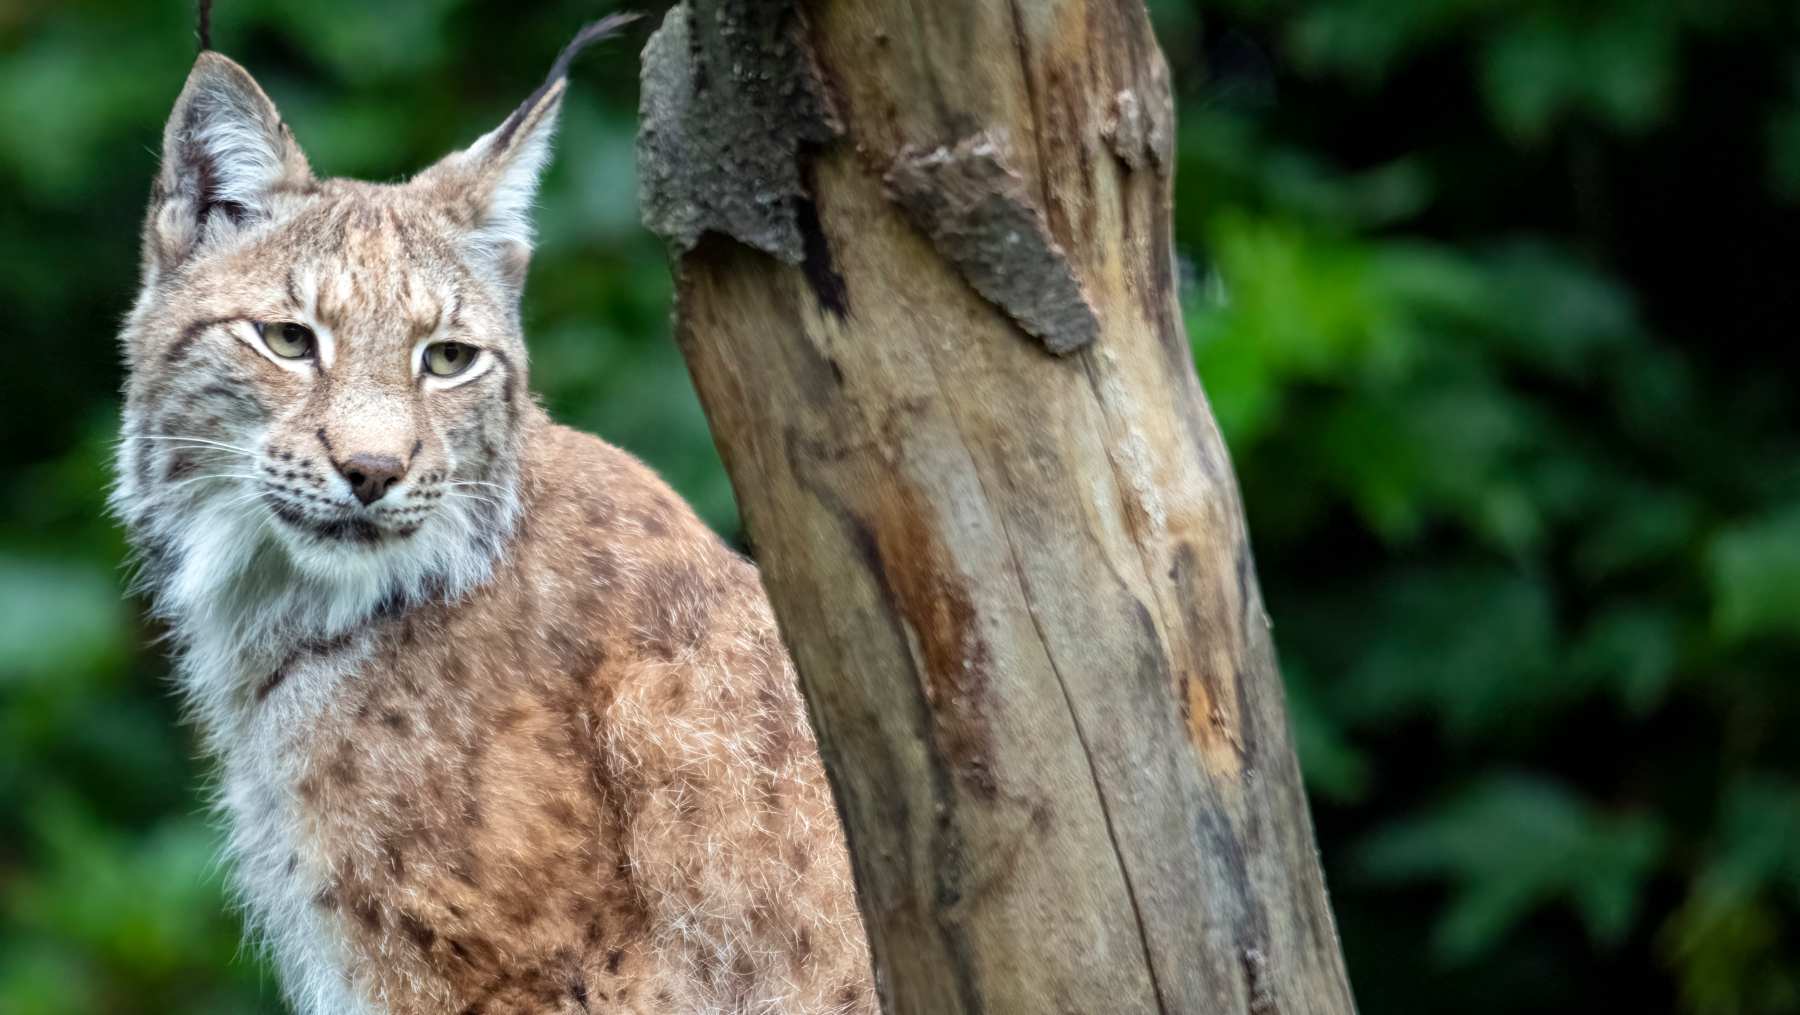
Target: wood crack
(1024,585)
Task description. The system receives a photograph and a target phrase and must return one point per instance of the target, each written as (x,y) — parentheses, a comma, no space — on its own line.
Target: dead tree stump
(927,294)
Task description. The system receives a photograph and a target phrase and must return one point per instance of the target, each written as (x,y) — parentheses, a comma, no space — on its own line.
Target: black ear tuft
(205,27)
(489,186)
(594,31)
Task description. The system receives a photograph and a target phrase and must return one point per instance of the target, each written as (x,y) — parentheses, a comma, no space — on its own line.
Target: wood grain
(1017,585)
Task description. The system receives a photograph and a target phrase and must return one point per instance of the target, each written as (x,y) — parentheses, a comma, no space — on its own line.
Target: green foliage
(1734,940)
(1522,503)
(1512,845)
(1493,302)
(1755,571)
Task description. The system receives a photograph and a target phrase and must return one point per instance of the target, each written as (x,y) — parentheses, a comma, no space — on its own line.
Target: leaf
(1759,835)
(1334,768)
(1471,647)
(1641,526)
(1754,572)
(1633,649)
(1553,312)
(1729,958)
(1617,66)
(1726,940)
(58,619)
(1365,39)
(1526,77)
(151,907)
(1511,845)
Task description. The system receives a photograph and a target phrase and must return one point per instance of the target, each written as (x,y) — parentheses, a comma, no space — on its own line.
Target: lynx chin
(501,726)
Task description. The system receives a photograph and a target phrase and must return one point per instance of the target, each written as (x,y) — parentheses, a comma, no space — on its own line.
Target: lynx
(501,726)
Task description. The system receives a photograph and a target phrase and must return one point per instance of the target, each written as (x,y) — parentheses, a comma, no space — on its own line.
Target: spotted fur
(517,736)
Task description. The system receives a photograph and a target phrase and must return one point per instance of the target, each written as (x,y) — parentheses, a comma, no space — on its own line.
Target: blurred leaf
(1554,312)
(1512,845)
(1758,837)
(1632,648)
(37,978)
(1527,76)
(1364,38)
(1335,769)
(1616,65)
(361,43)
(1469,646)
(152,910)
(1639,527)
(1733,948)
(1293,305)
(1433,449)
(56,618)
(1732,958)
(1754,570)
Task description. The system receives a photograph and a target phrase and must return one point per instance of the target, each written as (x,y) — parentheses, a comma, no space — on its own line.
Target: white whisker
(248,498)
(476,497)
(214,475)
(208,442)
(209,448)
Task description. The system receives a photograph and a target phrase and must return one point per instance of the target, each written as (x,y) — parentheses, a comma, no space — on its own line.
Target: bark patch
(980,216)
(1137,130)
(730,96)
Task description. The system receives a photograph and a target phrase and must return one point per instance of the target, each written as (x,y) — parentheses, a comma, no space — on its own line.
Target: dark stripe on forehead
(402,235)
(183,343)
(326,309)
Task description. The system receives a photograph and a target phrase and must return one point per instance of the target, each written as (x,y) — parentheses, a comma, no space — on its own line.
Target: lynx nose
(371,476)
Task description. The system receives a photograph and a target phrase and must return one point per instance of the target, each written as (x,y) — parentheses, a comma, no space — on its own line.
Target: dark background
(1495,300)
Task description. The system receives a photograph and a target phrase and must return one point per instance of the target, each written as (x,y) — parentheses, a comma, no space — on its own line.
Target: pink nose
(371,476)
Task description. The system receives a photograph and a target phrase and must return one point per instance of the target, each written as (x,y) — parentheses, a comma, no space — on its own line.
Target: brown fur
(532,784)
(519,736)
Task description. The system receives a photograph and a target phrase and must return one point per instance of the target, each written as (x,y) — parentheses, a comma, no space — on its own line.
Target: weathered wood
(1016,583)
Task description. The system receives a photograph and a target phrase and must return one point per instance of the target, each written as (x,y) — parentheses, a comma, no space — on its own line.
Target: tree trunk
(927,294)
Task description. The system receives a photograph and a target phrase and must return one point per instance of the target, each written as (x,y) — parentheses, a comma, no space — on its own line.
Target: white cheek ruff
(239,587)
(240,596)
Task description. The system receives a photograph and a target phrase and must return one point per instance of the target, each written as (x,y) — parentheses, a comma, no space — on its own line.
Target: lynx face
(326,376)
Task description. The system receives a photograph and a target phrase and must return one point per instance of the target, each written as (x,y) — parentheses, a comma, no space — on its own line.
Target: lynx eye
(447,359)
(289,340)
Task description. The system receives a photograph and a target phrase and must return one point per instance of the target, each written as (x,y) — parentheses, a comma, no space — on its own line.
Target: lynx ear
(489,187)
(226,156)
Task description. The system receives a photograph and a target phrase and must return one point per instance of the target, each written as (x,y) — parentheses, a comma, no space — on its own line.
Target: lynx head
(327,398)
